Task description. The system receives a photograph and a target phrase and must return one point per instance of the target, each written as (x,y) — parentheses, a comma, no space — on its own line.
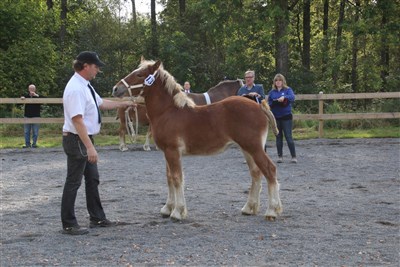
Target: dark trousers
(285,128)
(77,167)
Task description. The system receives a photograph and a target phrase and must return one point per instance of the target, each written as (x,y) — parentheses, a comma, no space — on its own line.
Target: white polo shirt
(78,100)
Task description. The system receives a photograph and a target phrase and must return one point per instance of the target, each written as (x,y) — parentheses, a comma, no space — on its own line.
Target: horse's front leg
(122,144)
(170,204)
(176,197)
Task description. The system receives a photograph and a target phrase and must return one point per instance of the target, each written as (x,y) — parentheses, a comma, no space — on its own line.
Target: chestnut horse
(222,90)
(181,128)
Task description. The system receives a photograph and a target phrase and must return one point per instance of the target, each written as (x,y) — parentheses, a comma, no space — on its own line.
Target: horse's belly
(205,148)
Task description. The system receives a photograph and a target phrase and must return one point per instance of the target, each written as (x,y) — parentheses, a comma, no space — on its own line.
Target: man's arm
(108,104)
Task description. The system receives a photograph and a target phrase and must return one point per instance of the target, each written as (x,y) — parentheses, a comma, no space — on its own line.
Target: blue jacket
(257,88)
(281,109)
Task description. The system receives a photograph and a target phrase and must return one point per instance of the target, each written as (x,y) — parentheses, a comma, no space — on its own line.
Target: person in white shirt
(186,87)
(82,120)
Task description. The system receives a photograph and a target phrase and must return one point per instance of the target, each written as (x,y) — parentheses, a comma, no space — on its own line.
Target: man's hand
(254,94)
(129,104)
(92,155)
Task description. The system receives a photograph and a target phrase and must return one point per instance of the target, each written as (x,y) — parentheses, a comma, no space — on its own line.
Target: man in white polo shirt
(82,120)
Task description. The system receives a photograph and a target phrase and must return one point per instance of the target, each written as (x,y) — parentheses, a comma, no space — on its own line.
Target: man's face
(186,85)
(249,79)
(32,89)
(92,70)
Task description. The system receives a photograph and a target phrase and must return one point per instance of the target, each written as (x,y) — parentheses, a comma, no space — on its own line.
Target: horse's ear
(157,64)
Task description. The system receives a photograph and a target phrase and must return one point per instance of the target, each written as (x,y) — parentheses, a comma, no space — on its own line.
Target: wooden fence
(321,117)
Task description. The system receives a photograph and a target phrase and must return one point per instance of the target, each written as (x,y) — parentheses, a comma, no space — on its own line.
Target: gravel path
(341,208)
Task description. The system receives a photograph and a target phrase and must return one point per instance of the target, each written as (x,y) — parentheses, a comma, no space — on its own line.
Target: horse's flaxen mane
(173,88)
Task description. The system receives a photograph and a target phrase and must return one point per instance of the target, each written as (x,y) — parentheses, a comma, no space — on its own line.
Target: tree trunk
(325,45)
(306,35)
(338,41)
(134,17)
(384,47)
(63,29)
(154,39)
(354,76)
(49,4)
(182,8)
(281,44)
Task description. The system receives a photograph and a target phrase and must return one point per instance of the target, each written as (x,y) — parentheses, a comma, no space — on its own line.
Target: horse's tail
(270,116)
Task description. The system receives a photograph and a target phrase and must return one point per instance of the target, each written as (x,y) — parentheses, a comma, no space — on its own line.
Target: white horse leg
(268,168)
(170,204)
(146,146)
(253,201)
(122,145)
(176,183)
(274,202)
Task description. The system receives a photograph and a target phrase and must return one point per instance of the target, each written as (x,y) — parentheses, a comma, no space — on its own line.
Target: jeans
(77,167)
(285,127)
(34,127)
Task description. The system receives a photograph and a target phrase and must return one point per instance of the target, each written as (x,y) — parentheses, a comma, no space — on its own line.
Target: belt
(69,133)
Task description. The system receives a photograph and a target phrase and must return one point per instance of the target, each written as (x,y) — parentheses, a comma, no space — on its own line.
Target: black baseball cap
(90,58)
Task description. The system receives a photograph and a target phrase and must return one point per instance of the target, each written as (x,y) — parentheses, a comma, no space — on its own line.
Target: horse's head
(134,82)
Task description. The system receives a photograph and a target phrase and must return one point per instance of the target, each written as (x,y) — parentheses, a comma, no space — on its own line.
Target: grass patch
(12,136)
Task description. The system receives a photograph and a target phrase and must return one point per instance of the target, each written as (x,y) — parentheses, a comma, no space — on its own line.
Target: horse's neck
(224,90)
(157,101)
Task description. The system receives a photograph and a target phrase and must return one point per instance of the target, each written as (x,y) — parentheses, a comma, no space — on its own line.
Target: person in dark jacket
(280,99)
(31,111)
(251,89)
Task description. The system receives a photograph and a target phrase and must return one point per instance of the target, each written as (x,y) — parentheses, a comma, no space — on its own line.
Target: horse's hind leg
(253,201)
(176,204)
(268,168)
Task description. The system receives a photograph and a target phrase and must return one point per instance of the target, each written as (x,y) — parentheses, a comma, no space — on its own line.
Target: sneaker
(26,146)
(280,160)
(294,160)
(75,230)
(34,146)
(102,223)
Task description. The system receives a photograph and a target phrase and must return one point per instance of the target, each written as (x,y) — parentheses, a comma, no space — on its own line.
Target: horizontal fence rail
(321,117)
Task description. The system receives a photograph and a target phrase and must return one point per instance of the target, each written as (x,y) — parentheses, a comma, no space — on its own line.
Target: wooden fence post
(320,112)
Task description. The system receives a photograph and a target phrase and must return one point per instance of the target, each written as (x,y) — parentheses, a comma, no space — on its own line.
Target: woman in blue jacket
(280,99)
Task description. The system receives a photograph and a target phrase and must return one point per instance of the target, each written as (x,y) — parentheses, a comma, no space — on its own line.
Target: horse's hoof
(146,148)
(123,149)
(176,216)
(270,218)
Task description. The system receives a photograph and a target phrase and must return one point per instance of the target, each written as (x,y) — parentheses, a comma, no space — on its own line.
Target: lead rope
(129,125)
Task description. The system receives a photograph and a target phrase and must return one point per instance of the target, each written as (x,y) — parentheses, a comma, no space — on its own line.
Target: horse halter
(147,82)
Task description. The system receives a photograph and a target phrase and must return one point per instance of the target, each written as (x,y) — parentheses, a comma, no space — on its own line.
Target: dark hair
(78,65)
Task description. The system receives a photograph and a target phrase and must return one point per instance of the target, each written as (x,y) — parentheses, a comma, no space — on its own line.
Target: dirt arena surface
(341,208)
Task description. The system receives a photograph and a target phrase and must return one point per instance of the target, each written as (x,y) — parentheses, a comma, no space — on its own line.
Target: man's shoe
(34,146)
(75,230)
(294,160)
(280,160)
(102,223)
(26,146)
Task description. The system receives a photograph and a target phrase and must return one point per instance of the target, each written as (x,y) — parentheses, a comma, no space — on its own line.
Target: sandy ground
(341,208)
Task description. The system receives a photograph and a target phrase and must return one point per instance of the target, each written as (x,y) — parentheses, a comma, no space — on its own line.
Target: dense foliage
(356,50)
